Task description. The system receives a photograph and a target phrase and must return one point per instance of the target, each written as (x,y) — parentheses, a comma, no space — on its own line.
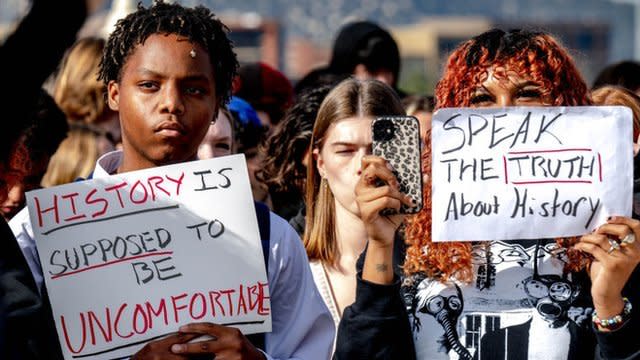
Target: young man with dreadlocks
(168,69)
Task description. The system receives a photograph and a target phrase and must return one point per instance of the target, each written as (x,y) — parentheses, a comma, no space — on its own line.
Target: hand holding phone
(397,140)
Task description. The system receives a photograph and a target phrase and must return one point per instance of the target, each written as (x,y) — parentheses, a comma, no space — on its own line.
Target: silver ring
(614,246)
(630,238)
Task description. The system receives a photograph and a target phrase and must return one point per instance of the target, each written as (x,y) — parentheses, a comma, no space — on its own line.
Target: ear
(317,157)
(306,158)
(113,95)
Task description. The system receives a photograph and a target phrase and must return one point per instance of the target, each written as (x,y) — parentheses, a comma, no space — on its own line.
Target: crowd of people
(347,280)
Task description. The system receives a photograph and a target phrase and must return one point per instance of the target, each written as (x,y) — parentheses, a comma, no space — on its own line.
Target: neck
(132,161)
(351,235)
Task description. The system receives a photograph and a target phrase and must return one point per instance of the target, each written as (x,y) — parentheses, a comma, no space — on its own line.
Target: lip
(170,129)
(9,210)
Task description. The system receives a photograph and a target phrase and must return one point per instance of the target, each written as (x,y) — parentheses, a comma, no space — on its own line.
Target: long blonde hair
(362,98)
(77,89)
(76,157)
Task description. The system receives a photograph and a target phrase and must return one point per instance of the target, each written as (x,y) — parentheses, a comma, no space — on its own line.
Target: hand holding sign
(613,265)
(529,172)
(224,342)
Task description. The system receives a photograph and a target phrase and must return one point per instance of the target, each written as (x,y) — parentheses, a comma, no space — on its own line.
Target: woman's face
(218,140)
(508,89)
(339,159)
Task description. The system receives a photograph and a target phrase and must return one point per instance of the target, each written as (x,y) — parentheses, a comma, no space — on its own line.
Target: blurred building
(295,35)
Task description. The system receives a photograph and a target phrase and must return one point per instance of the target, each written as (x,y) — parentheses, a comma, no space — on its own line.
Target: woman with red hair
(521,299)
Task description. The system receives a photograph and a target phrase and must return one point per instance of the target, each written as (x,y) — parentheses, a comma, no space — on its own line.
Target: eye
(194,90)
(480,98)
(147,85)
(343,149)
(529,93)
(223,146)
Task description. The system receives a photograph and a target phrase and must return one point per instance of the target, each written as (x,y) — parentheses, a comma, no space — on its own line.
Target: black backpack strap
(264,224)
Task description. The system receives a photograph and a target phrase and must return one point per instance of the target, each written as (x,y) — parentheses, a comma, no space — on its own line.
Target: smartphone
(397,140)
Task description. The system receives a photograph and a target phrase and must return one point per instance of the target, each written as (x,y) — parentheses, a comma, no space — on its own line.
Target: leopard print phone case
(397,140)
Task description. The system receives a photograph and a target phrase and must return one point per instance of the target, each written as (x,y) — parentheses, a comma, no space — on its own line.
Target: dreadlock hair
(197,24)
(534,54)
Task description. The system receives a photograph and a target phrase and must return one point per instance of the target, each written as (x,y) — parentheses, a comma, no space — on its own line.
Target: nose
(504,100)
(172,101)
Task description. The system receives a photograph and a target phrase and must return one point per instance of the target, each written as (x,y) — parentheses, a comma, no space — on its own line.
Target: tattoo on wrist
(382,267)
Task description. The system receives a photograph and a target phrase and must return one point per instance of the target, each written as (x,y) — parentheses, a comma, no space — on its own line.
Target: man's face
(166,99)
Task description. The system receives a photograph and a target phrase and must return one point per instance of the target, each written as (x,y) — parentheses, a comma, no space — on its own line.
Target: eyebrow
(527,83)
(188,77)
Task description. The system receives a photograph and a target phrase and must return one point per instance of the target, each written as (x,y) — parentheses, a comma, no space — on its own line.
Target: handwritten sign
(129,258)
(529,172)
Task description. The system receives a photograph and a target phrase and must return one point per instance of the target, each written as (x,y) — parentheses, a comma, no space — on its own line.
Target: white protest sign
(129,258)
(529,172)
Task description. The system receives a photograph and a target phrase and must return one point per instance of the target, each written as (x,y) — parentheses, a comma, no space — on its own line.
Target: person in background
(621,96)
(168,69)
(334,234)
(267,89)
(286,154)
(46,127)
(624,73)
(248,133)
(421,107)
(94,127)
(77,154)
(516,299)
(82,96)
(219,140)
(365,50)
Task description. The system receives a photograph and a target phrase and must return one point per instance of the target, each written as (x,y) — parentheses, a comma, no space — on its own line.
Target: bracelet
(616,321)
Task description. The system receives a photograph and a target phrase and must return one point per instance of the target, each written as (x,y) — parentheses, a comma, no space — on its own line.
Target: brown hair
(362,98)
(533,53)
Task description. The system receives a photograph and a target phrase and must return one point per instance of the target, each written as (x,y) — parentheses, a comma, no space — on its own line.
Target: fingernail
(177,348)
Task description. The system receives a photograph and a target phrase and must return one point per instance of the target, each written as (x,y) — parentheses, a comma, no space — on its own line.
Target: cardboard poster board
(129,258)
(529,172)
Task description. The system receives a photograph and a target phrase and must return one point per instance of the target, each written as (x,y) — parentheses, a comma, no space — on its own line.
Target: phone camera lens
(383,130)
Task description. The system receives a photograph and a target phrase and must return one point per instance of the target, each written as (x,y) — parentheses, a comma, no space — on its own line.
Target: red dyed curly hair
(534,54)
